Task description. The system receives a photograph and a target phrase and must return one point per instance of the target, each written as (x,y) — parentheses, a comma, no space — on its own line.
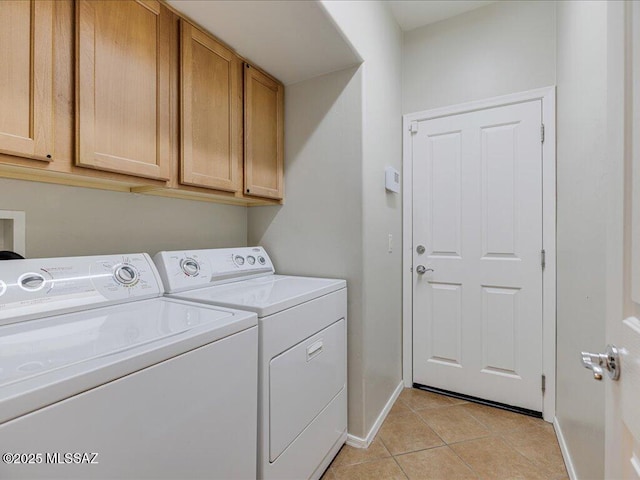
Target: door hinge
(413,128)
(544,383)
(543,258)
(542,132)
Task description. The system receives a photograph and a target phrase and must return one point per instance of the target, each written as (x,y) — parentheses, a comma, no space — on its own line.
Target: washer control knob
(251,259)
(3,288)
(190,267)
(261,260)
(31,282)
(126,274)
(239,259)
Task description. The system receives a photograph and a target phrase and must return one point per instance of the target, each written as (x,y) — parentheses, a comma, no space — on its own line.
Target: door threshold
(481,401)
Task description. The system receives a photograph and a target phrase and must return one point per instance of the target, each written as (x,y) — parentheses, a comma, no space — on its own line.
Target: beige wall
(373,32)
(318,231)
(341,131)
(503,48)
(68,221)
(581,230)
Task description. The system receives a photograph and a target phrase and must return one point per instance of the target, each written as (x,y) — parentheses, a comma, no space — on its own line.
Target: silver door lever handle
(599,362)
(421,269)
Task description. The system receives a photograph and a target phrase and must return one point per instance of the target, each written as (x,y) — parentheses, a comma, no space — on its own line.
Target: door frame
(547,96)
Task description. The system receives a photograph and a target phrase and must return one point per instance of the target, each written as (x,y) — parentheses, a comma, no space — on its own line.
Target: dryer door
(303,381)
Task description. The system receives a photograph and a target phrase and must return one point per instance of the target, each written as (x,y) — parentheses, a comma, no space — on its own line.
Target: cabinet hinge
(544,383)
(413,128)
(542,133)
(543,258)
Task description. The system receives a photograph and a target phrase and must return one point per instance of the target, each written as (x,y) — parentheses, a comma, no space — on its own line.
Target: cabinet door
(123,106)
(263,135)
(26,78)
(211,112)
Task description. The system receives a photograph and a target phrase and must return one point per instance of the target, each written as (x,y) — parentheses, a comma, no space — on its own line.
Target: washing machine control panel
(38,287)
(188,270)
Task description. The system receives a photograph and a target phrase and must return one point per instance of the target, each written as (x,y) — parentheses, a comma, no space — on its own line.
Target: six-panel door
(477,202)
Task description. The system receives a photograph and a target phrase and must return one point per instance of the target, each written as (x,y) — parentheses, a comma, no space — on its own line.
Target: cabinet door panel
(123,102)
(26,78)
(211,112)
(263,117)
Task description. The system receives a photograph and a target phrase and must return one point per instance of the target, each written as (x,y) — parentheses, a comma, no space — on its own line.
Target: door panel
(443,175)
(446,311)
(123,103)
(263,135)
(478,210)
(26,80)
(211,112)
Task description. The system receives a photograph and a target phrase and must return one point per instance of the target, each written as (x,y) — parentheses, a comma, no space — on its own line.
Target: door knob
(421,269)
(599,362)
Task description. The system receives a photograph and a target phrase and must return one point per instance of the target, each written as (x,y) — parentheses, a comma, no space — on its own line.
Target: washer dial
(126,274)
(239,260)
(31,282)
(261,260)
(3,288)
(251,259)
(190,267)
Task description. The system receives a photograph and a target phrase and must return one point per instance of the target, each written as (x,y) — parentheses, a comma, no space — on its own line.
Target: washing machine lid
(265,295)
(52,358)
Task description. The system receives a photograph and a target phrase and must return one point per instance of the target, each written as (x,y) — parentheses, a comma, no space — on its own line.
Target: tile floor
(428,436)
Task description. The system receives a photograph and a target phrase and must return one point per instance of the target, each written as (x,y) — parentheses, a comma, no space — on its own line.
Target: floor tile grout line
(400,467)
(507,443)
(498,434)
(465,462)
(490,432)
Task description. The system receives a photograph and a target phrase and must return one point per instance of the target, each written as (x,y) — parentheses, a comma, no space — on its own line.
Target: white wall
(318,231)
(581,230)
(68,221)
(503,48)
(341,131)
(375,35)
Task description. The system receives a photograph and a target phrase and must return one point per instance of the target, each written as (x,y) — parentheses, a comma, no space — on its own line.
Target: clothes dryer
(302,370)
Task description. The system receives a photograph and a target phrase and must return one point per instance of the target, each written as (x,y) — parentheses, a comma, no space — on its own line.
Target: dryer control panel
(48,286)
(191,269)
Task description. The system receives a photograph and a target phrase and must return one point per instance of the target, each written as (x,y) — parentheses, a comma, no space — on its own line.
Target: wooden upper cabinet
(211,112)
(26,78)
(122,71)
(263,135)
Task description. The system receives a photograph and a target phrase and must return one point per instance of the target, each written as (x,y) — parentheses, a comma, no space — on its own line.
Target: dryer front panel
(302,382)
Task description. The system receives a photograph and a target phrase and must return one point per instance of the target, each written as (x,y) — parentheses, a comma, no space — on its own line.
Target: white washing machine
(302,420)
(102,377)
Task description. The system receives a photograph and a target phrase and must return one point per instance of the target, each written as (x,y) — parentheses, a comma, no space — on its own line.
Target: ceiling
(417,13)
(292,40)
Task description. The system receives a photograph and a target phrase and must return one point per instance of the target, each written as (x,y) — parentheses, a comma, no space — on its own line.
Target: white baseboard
(359,442)
(565,451)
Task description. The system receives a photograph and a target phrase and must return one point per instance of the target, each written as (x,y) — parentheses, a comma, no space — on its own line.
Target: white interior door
(622,421)
(477,211)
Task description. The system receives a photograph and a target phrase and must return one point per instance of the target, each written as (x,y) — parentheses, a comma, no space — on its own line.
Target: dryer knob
(190,267)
